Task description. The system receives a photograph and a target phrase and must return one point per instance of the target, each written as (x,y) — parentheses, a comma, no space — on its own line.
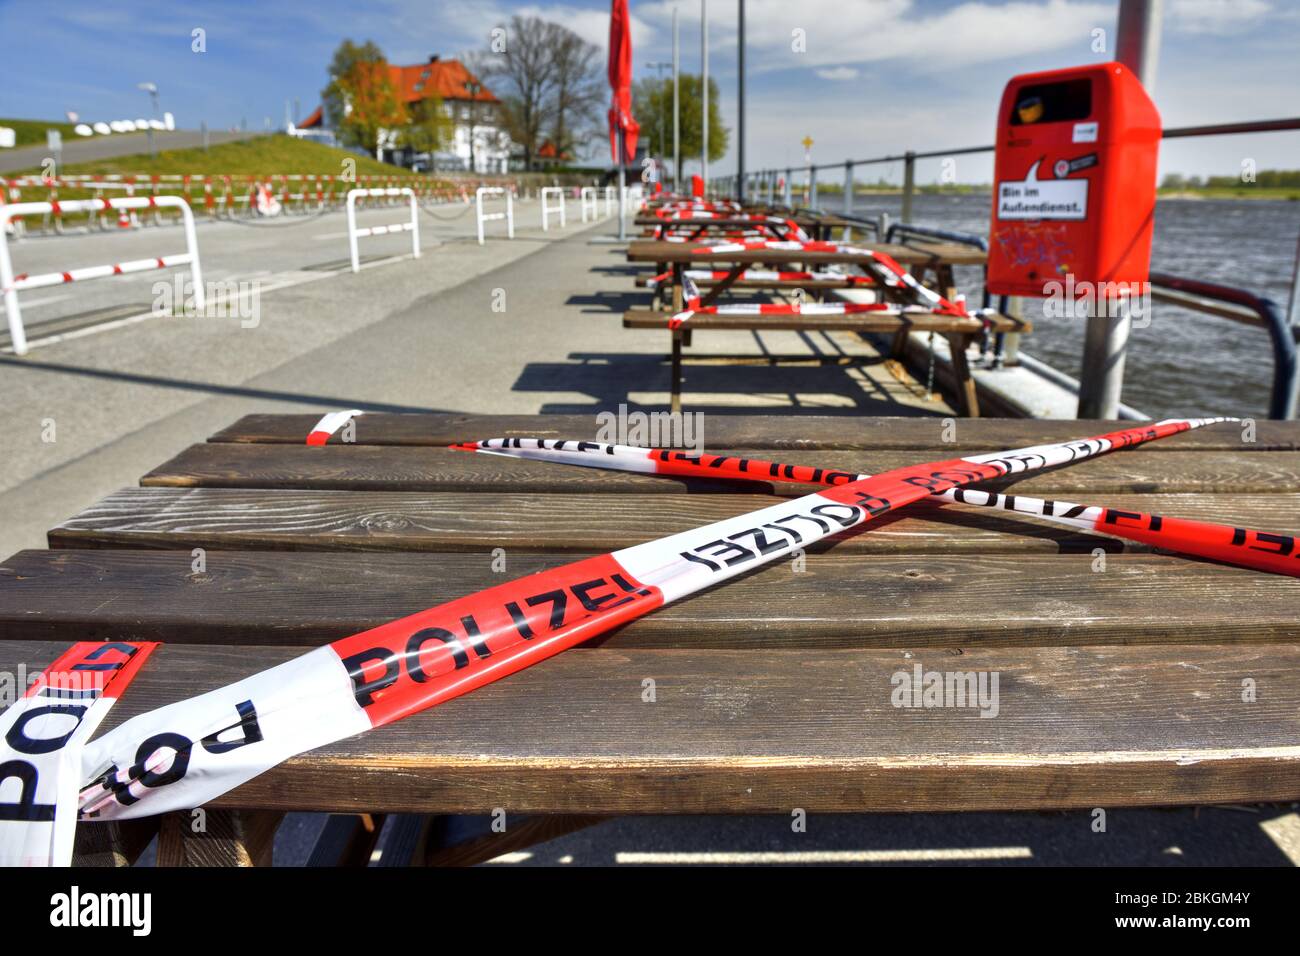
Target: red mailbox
(1074,191)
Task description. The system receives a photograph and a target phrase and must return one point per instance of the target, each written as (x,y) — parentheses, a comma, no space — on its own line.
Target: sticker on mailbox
(1085,132)
(1032,198)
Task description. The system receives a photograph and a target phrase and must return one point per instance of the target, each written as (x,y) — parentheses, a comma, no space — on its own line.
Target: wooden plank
(860,322)
(930,253)
(837,600)
(757,431)
(389,468)
(735,731)
(288,520)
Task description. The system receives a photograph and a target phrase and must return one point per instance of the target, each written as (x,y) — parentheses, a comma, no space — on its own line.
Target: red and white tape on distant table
(765,275)
(883,269)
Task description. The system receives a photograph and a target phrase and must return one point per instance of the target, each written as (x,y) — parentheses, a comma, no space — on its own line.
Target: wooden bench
(1118,686)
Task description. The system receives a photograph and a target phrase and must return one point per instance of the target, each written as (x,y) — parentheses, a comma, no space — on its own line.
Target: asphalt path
(88,149)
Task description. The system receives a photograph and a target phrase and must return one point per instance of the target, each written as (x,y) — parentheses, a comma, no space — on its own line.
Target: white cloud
(1216,16)
(865,31)
(839,73)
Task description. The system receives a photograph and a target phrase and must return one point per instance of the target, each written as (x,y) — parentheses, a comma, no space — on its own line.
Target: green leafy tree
(429,127)
(361,100)
(652,104)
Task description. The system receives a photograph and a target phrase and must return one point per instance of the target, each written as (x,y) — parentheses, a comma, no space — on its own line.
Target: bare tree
(579,89)
(524,79)
(549,81)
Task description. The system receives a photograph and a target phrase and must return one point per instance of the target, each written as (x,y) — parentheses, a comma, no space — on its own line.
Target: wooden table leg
(111,844)
(218,838)
(967,398)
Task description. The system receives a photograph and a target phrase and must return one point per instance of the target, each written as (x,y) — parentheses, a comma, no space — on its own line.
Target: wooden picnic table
(1121,671)
(915,253)
(674,258)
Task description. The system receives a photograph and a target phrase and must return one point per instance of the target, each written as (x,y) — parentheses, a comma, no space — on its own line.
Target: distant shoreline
(1286,193)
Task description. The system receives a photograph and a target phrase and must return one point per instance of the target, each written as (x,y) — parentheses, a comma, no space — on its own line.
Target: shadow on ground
(770,384)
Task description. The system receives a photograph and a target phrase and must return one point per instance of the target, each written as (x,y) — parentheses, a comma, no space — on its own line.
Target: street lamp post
(473,87)
(152,90)
(659,111)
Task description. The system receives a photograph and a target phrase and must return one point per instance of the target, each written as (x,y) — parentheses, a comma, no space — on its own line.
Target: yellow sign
(807,142)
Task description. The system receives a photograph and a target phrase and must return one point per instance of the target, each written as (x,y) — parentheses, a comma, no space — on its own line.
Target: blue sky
(876,76)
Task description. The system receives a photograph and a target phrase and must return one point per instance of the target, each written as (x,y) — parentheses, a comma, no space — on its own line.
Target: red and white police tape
(44,732)
(329,424)
(187,753)
(1258,550)
(882,269)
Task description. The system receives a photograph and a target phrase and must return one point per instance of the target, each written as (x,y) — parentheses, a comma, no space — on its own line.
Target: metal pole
(1105,344)
(909,184)
(1137,43)
(812,186)
(704,90)
(740,108)
(789,190)
(677,141)
(1293,307)
(622,189)
(848,188)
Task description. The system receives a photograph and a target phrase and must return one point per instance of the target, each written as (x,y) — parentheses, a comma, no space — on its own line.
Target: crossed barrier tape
(185,754)
(1244,547)
(882,269)
(765,275)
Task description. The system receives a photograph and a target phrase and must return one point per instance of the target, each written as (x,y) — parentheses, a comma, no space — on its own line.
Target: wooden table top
(1117,686)
(650,250)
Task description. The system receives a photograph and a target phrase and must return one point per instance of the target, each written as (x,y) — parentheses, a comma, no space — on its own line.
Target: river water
(1183,363)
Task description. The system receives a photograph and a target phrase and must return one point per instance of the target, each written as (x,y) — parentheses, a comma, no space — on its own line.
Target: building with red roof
(478,141)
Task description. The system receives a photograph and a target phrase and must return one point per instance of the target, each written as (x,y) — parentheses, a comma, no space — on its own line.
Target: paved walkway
(87,149)
(532,325)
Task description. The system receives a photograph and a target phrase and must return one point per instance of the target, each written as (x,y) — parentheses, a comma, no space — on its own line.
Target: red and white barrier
(508,215)
(587,196)
(552,204)
(12,285)
(413,227)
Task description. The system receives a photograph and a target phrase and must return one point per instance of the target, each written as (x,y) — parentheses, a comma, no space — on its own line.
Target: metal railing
(768,177)
(1255,310)
(1210,298)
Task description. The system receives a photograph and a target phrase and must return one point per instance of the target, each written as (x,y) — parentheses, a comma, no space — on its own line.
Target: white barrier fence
(12,284)
(508,215)
(633,199)
(589,202)
(550,209)
(413,227)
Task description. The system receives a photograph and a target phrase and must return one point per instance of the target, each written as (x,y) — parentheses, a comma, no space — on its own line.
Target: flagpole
(622,185)
(704,86)
(740,110)
(677,154)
